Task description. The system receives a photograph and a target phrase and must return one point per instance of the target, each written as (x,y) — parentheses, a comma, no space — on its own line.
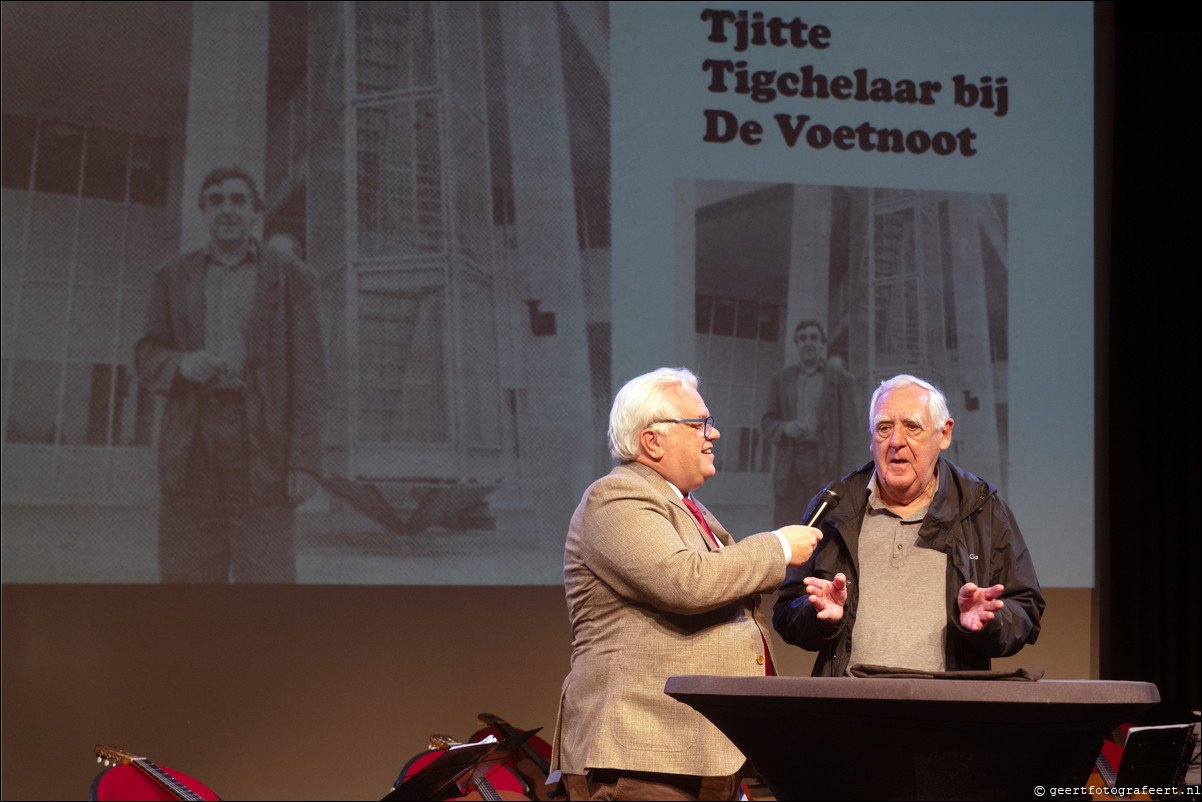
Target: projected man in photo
(233,343)
(811,420)
(923,560)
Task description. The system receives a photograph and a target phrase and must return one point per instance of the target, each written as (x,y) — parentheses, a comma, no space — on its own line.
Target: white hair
(642,400)
(936,401)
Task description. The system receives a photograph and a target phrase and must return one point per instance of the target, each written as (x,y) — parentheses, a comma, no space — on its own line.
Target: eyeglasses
(236,199)
(707,424)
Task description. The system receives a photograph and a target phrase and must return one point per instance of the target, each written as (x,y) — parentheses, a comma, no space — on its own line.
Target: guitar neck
(527,748)
(169,783)
(484,787)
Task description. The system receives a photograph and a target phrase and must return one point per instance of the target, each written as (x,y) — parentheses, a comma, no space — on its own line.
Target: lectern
(852,738)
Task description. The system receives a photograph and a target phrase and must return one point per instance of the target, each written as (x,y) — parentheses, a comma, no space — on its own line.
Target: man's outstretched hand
(828,596)
(977,605)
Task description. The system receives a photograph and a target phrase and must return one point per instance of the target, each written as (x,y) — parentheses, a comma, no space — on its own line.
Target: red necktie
(693,508)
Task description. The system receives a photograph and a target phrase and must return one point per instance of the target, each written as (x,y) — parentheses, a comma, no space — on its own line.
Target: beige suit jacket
(650,596)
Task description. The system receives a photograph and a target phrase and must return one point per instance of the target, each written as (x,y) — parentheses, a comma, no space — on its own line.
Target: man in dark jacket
(922,560)
(233,343)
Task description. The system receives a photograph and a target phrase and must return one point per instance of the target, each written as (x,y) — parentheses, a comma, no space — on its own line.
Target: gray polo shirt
(901,618)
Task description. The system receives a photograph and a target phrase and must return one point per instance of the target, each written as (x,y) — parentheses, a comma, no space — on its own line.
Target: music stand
(1156,757)
(454,771)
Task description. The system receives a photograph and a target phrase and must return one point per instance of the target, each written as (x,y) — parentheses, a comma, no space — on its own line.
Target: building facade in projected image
(445,168)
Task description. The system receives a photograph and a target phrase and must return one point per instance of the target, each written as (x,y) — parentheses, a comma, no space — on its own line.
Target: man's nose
(714,433)
(898,438)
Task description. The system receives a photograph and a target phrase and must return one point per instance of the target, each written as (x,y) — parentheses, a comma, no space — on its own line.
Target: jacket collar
(661,485)
(652,477)
(959,495)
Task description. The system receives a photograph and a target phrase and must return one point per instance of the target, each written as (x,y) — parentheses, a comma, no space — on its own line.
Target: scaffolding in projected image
(418,182)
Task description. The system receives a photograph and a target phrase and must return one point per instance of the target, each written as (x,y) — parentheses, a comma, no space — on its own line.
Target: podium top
(1042,692)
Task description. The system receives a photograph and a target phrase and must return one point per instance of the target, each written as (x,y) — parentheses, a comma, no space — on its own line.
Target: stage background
(323,692)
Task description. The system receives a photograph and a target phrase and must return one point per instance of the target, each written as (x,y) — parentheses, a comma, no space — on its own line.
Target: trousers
(219,527)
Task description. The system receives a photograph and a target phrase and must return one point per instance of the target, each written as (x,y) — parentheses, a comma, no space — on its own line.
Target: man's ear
(946,439)
(651,445)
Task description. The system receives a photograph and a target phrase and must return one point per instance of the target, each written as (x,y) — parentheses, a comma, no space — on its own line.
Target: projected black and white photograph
(418,376)
(808,297)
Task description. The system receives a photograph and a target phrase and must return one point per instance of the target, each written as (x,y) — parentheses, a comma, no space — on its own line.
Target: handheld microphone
(827,502)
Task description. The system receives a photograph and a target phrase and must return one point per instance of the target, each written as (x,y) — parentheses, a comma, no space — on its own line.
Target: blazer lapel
(715,527)
(705,539)
(726,538)
(267,290)
(662,486)
(192,295)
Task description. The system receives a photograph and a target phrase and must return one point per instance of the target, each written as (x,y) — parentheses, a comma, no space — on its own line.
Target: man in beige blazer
(654,590)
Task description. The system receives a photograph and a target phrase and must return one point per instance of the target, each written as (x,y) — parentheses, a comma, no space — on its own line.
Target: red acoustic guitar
(497,783)
(135,778)
(532,761)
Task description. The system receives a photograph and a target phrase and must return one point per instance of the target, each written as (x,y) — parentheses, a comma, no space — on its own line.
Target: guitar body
(499,780)
(126,782)
(1104,775)
(532,762)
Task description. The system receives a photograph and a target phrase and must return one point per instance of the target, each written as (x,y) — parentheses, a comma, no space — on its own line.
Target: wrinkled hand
(199,366)
(828,596)
(802,541)
(301,486)
(977,605)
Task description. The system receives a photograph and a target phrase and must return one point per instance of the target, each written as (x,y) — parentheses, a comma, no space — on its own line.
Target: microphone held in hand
(827,502)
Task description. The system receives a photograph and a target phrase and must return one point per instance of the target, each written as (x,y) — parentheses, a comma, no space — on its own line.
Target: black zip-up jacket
(969,523)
